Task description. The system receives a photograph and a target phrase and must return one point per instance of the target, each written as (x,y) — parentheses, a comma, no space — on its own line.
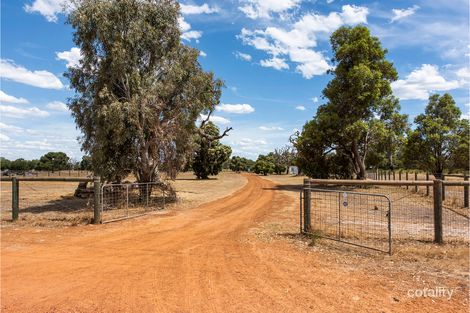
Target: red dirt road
(198,260)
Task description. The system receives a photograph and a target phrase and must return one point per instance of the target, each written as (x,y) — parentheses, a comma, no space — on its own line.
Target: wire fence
(352,217)
(47,203)
(412,209)
(120,201)
(71,201)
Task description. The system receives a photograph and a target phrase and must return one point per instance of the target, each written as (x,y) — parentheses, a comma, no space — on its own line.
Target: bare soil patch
(241,253)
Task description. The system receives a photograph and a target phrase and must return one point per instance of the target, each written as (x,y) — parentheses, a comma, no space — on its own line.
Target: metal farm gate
(121,201)
(360,219)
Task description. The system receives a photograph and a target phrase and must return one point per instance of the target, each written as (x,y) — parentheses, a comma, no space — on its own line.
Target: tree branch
(208,137)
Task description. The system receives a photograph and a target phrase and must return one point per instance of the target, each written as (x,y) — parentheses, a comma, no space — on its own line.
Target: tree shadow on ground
(63,205)
(292,188)
(195,179)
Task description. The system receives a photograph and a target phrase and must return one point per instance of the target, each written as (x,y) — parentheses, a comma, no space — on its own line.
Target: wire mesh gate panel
(120,201)
(355,218)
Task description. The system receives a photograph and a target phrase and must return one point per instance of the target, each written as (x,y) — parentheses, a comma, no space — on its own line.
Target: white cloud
(72,56)
(15,130)
(270,128)
(186,32)
(464,72)
(311,62)
(300,108)
(243,56)
(216,119)
(13,112)
(276,63)
(399,14)
(58,106)
(192,34)
(17,73)
(354,14)
(464,75)
(263,8)
(4,137)
(235,108)
(188,9)
(297,44)
(47,8)
(315,99)
(421,82)
(247,142)
(202,53)
(11,99)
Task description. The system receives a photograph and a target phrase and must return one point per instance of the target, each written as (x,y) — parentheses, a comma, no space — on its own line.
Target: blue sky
(272,55)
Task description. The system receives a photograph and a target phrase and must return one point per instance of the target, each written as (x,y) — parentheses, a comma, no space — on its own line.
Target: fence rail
(421,213)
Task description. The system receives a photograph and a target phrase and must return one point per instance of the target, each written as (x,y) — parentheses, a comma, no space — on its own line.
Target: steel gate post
(427,187)
(127,199)
(307,206)
(147,193)
(300,211)
(465,192)
(15,194)
(339,215)
(437,190)
(389,226)
(97,203)
(443,188)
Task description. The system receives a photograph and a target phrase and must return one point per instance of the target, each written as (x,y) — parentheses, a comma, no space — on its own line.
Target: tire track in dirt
(197,260)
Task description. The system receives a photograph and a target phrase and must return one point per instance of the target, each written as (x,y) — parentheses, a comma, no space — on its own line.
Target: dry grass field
(52,204)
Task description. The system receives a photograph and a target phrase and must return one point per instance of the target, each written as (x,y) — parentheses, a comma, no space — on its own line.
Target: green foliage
(54,161)
(440,139)
(139,90)
(358,96)
(389,138)
(240,164)
(23,165)
(5,164)
(264,165)
(85,163)
(210,154)
(282,159)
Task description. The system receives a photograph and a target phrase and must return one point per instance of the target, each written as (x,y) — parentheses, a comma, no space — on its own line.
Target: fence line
(109,201)
(418,213)
(16,187)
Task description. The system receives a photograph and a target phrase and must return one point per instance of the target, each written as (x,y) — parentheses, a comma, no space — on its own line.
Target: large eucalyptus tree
(138,89)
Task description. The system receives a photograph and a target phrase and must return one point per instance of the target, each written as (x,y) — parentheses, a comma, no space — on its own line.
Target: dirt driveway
(198,260)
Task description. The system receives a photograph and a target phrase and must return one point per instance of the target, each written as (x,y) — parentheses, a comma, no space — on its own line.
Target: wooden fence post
(416,186)
(307,206)
(15,201)
(97,207)
(389,175)
(406,177)
(393,175)
(465,192)
(443,188)
(399,175)
(427,187)
(437,191)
